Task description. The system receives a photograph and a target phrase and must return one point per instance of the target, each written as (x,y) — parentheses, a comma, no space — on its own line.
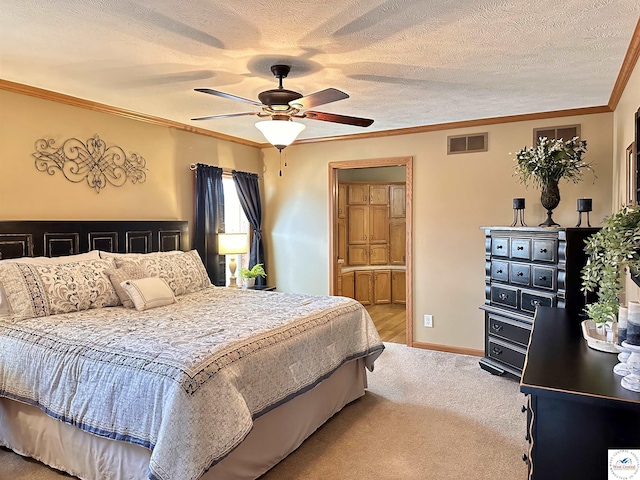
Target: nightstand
(266,288)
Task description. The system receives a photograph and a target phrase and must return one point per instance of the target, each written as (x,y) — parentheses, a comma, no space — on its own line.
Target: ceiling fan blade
(322,97)
(332,117)
(227,95)
(228,115)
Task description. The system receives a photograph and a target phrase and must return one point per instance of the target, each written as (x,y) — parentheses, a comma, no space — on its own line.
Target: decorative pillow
(119,275)
(123,259)
(184,273)
(80,257)
(40,290)
(148,292)
(5,311)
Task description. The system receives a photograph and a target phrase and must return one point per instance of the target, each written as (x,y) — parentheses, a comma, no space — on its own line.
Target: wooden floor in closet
(390,320)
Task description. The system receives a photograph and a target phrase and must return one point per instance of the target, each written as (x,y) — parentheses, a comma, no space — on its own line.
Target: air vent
(478,142)
(566,132)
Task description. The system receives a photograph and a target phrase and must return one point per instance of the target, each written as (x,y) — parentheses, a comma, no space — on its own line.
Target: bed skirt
(29,432)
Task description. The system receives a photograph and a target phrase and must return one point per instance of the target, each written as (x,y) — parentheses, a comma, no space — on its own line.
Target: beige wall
(453,196)
(623,136)
(167,194)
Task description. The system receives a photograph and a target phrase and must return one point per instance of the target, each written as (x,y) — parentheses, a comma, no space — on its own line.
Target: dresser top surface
(559,362)
(539,229)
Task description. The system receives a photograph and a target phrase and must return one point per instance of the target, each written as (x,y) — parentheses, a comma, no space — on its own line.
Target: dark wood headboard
(57,238)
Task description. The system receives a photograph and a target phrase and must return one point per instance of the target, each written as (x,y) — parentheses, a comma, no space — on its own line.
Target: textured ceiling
(404,63)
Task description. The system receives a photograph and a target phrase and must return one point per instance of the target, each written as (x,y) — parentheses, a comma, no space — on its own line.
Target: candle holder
(621,368)
(585,205)
(518,212)
(632,381)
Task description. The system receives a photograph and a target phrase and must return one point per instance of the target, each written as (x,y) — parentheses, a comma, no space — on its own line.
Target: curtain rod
(193,167)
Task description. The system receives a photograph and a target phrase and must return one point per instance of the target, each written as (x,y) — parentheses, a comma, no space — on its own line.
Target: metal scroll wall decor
(93,161)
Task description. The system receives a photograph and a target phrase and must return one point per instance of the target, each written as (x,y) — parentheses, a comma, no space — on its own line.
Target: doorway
(336,169)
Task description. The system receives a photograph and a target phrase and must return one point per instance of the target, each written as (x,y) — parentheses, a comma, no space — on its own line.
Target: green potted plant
(612,251)
(249,275)
(549,162)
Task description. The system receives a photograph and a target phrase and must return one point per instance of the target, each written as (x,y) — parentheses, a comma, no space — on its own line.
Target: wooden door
(398,287)
(348,285)
(379,195)
(358,194)
(381,286)
(397,201)
(358,225)
(378,254)
(358,255)
(397,242)
(364,287)
(342,201)
(378,224)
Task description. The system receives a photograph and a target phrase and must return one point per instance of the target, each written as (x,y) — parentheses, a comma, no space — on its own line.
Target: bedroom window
(235,221)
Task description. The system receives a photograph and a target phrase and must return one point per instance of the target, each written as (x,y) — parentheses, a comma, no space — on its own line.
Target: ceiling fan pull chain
(280,162)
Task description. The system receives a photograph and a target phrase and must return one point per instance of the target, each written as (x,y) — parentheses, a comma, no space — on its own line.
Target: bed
(218,384)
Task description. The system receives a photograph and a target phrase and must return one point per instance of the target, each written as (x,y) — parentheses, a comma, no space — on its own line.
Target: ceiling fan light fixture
(280,133)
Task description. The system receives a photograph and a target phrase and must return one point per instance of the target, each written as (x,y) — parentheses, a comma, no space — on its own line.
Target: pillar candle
(518,203)
(623,315)
(585,204)
(633,324)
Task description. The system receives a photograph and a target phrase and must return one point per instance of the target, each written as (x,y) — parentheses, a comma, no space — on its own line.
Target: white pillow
(123,259)
(80,257)
(148,292)
(184,273)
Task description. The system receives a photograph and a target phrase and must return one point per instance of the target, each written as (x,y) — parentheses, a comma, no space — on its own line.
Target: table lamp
(232,244)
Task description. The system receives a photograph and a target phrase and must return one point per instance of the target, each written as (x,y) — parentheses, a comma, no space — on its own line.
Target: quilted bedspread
(185,380)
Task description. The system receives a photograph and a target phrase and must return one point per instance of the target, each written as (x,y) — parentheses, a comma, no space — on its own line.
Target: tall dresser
(527,267)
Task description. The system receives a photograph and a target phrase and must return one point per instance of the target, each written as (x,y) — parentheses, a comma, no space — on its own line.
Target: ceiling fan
(283,105)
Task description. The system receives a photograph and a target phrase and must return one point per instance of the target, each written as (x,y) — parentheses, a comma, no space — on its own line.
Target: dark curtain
(249,195)
(209,220)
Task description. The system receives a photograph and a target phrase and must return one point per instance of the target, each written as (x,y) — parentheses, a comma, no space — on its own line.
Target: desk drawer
(500,246)
(508,329)
(500,271)
(544,250)
(521,248)
(520,274)
(505,353)
(544,277)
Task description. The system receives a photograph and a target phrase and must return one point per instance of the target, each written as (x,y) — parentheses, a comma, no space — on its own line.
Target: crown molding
(462,124)
(121,112)
(628,64)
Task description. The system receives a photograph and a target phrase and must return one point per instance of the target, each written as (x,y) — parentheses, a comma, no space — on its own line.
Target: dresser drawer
(500,271)
(544,277)
(500,246)
(521,248)
(508,329)
(505,296)
(520,273)
(530,300)
(505,353)
(545,250)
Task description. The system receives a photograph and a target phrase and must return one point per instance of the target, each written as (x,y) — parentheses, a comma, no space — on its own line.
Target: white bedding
(185,380)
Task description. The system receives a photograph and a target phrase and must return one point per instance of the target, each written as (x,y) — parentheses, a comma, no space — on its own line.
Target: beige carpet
(427,415)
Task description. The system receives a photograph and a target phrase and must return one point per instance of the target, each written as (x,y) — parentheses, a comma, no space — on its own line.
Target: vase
(249,282)
(550,199)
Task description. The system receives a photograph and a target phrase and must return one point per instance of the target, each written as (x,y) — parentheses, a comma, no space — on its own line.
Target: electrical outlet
(428,321)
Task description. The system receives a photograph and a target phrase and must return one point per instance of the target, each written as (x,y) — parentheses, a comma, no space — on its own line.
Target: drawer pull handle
(520,247)
(497,351)
(523,409)
(535,303)
(543,278)
(499,271)
(495,327)
(499,247)
(543,250)
(503,296)
(520,274)
(527,437)
(525,459)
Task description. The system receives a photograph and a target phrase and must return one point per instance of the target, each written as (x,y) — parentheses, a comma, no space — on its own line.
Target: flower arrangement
(551,161)
(256,271)
(612,250)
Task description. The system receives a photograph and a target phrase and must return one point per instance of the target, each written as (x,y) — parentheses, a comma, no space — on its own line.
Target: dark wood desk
(576,408)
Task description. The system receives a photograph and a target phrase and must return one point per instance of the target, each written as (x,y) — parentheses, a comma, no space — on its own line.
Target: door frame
(406,162)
